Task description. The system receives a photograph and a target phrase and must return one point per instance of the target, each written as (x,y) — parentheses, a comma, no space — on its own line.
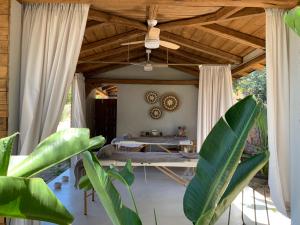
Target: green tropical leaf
(241,178)
(218,160)
(107,193)
(53,150)
(85,183)
(31,199)
(6,145)
(292,19)
(96,143)
(125,175)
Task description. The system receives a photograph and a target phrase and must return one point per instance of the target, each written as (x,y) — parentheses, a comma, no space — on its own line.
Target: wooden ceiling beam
(99,81)
(112,40)
(110,18)
(200,47)
(110,52)
(220,16)
(94,25)
(234,35)
(248,65)
(199,3)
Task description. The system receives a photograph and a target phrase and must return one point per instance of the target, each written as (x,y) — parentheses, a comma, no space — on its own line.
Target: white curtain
(78,102)
(78,112)
(214,98)
(278,97)
(51,39)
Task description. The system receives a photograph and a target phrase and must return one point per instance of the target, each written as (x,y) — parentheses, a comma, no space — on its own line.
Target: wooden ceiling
(208,31)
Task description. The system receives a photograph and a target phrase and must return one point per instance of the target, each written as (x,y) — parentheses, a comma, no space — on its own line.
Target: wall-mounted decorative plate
(170,102)
(151,97)
(155,113)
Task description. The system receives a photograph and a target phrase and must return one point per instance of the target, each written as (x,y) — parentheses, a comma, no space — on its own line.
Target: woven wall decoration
(155,112)
(151,97)
(170,102)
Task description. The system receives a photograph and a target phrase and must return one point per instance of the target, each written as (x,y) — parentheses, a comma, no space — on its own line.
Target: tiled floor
(163,194)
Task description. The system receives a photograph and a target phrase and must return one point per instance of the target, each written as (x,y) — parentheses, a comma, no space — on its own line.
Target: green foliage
(253,84)
(219,176)
(292,19)
(219,158)
(30,198)
(107,192)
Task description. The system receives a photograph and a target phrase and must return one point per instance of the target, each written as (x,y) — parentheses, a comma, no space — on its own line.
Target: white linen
(78,111)
(78,107)
(51,40)
(215,97)
(278,97)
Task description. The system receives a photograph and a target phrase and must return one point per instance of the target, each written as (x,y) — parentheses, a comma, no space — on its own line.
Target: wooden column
(4,43)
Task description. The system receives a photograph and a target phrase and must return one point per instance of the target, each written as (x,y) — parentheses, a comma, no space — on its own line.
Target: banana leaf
(6,145)
(218,160)
(85,183)
(107,193)
(96,143)
(241,178)
(125,176)
(292,19)
(31,199)
(51,151)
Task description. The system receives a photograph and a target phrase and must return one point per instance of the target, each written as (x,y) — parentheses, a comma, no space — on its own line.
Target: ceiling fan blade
(133,43)
(153,33)
(169,45)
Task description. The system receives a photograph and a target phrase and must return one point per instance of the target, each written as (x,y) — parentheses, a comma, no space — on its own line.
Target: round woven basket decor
(170,102)
(155,113)
(151,97)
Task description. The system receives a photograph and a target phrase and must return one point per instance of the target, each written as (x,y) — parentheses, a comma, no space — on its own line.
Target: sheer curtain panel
(214,98)
(52,35)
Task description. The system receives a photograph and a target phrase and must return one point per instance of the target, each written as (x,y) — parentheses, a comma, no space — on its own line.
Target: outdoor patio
(163,194)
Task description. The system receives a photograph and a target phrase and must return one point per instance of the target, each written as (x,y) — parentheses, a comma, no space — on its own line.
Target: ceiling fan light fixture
(151,43)
(148,67)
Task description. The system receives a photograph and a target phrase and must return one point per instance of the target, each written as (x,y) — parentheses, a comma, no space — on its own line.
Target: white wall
(133,112)
(14,66)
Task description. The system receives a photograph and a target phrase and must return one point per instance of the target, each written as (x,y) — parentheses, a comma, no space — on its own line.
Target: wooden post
(4,43)
(2,221)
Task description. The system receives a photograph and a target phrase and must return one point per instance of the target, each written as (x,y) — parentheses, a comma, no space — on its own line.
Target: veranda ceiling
(209,32)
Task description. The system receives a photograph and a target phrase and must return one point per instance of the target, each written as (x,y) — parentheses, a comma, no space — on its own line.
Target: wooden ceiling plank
(110,18)
(152,11)
(110,52)
(200,47)
(203,3)
(112,40)
(245,66)
(99,81)
(114,58)
(192,57)
(234,35)
(110,67)
(157,58)
(94,25)
(216,17)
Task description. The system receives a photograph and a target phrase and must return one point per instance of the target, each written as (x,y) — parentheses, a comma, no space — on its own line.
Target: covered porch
(136,71)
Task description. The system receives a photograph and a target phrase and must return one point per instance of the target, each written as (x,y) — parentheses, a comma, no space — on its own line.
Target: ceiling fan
(152,40)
